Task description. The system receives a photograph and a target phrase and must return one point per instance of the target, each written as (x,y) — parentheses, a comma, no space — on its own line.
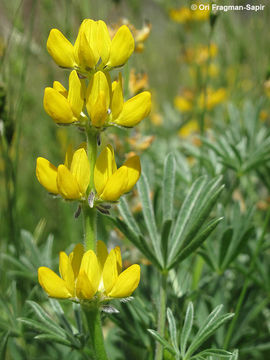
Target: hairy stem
(95,332)
(162,314)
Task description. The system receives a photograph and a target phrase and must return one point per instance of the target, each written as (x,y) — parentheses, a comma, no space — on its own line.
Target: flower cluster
(90,276)
(93,103)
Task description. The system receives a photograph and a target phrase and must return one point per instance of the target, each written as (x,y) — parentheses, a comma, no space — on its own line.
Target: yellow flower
(182,104)
(106,106)
(137,82)
(185,15)
(188,129)
(90,276)
(213,98)
(110,182)
(62,106)
(70,180)
(93,47)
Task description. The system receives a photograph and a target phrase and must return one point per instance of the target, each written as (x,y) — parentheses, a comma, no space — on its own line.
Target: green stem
(246,283)
(162,314)
(92,154)
(90,227)
(89,214)
(95,332)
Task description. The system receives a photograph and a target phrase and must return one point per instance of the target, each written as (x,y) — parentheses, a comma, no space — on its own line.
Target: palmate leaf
(195,209)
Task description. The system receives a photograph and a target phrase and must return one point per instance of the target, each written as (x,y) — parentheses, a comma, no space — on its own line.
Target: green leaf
(161,340)
(165,233)
(149,216)
(53,338)
(196,208)
(168,187)
(45,318)
(3,344)
(127,216)
(212,323)
(225,243)
(214,352)
(172,330)
(186,328)
(195,243)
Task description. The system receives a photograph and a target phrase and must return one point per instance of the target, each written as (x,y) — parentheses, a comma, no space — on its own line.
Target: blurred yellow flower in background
(140,35)
(185,15)
(110,182)
(90,276)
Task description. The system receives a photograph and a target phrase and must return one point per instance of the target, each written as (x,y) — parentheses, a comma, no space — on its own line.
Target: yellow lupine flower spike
(110,182)
(70,180)
(90,276)
(62,107)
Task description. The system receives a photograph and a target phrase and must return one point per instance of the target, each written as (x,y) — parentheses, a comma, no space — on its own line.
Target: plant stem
(246,283)
(91,135)
(95,332)
(162,314)
(89,214)
(90,227)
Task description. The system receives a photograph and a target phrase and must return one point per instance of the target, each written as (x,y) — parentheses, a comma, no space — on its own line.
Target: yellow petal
(75,94)
(134,171)
(110,272)
(122,47)
(52,283)
(104,168)
(90,266)
(67,184)
(99,111)
(135,109)
(60,49)
(98,98)
(60,88)
(102,253)
(117,98)
(126,283)
(76,258)
(46,174)
(90,29)
(66,272)
(116,185)
(80,169)
(104,41)
(84,53)
(57,107)
(84,289)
